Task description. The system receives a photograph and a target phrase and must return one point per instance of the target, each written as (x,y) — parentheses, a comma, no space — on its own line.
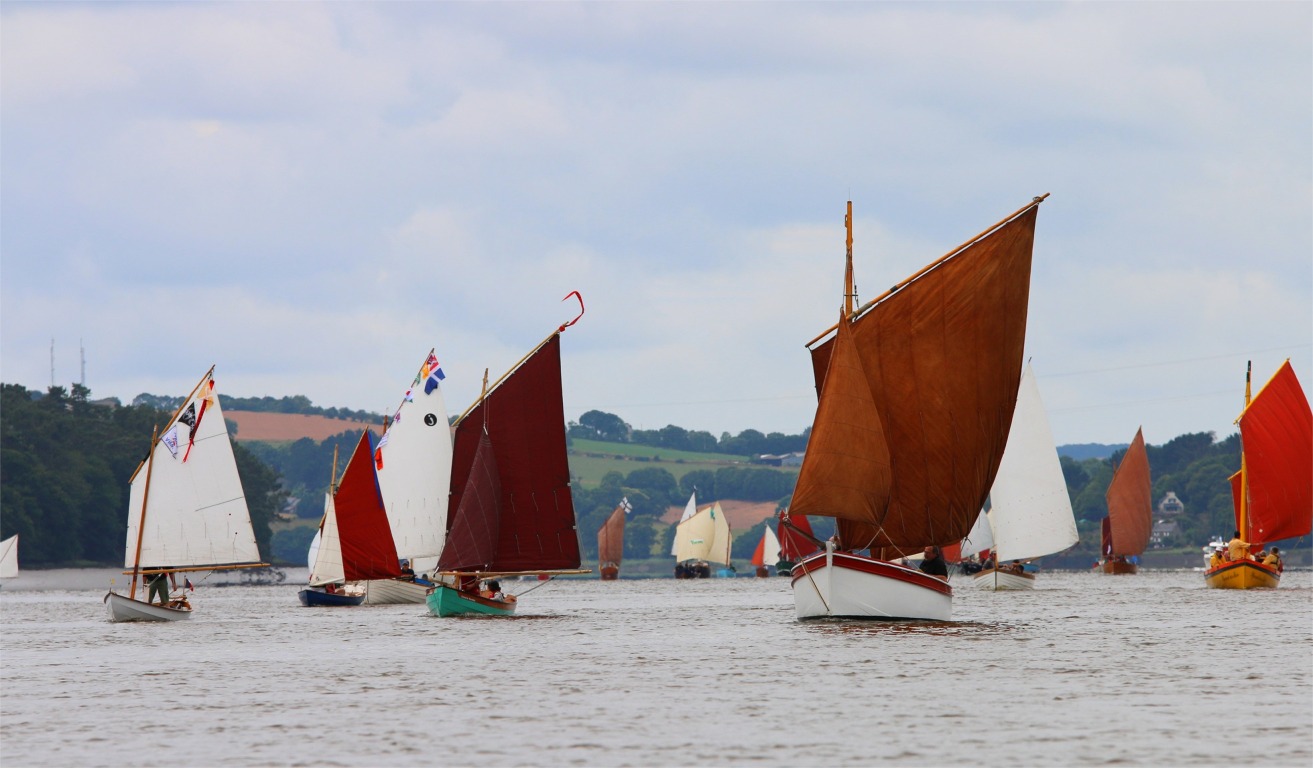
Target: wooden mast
(1244,476)
(145,497)
(849,294)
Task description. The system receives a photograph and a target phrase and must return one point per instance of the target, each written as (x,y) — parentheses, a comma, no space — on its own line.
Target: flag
(624,502)
(378,451)
(188,416)
(433,374)
(410,396)
(170,440)
(186,584)
(196,424)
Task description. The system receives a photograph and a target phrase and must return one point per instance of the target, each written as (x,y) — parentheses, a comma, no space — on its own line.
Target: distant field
(590,460)
(289,427)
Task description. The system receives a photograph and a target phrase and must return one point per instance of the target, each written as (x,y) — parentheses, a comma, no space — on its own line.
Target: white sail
(9,557)
(981,536)
(1030,509)
(690,509)
(196,512)
(415,473)
(326,567)
(770,554)
(704,536)
(313,552)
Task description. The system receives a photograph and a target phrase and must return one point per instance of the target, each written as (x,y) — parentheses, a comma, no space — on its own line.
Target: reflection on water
(1088,669)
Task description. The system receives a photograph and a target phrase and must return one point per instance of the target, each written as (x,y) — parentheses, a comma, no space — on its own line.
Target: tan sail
(917,390)
(1130,502)
(611,538)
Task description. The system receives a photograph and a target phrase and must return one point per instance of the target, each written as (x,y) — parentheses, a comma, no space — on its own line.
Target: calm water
(1089,669)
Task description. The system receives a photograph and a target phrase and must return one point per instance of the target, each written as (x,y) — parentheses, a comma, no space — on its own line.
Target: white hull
(837,584)
(1001,580)
(393,592)
(123,608)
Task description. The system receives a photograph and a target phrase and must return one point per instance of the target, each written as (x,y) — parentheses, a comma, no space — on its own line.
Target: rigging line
(535,586)
(1175,362)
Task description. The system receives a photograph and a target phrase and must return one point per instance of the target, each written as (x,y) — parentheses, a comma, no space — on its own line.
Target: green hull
(446,601)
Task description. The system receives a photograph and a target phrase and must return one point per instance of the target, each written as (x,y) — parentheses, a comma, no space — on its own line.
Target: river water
(1087,669)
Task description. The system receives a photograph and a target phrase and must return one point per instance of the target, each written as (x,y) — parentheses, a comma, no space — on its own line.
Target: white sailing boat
(767,553)
(1030,512)
(186,508)
(9,557)
(414,475)
(690,509)
(702,540)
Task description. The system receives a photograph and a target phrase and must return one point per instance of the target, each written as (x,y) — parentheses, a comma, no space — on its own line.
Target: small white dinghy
(187,510)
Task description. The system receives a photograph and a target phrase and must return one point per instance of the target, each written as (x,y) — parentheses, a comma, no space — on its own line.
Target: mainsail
(1276,433)
(704,536)
(414,467)
(1130,503)
(768,549)
(367,548)
(9,557)
(195,513)
(611,537)
(1029,506)
(690,509)
(510,480)
(916,391)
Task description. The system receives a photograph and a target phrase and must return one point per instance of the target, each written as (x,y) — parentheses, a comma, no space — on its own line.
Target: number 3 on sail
(916,394)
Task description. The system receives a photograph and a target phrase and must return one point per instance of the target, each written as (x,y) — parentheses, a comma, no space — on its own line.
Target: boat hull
(449,601)
(1119,567)
(123,608)
(394,591)
(1242,574)
(315,598)
(843,585)
(1003,580)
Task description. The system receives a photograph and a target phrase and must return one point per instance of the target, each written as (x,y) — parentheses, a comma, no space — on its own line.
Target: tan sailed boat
(1126,529)
(1273,491)
(611,542)
(916,394)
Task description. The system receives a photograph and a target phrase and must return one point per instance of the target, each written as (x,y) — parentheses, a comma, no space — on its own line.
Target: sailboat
(916,393)
(413,462)
(690,509)
(611,542)
(513,513)
(368,551)
(1273,491)
(1124,533)
(1030,512)
(797,540)
(767,552)
(702,540)
(186,508)
(9,557)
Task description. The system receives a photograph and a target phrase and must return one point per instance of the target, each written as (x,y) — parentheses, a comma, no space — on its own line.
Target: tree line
(609,428)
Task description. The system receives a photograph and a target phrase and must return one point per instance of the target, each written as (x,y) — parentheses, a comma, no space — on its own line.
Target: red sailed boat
(611,542)
(1126,529)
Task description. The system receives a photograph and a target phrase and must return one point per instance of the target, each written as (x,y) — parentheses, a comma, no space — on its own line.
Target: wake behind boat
(186,510)
(917,390)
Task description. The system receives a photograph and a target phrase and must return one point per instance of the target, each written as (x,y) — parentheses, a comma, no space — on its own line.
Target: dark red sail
(362,522)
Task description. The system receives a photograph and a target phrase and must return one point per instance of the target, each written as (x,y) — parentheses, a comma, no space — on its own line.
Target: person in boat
(1273,559)
(1238,548)
(330,588)
(933,564)
(1216,559)
(158,583)
(406,570)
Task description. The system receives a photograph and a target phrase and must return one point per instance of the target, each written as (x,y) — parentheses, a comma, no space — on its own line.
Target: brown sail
(908,462)
(611,538)
(1130,503)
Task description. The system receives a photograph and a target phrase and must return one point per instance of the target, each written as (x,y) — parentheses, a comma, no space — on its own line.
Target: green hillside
(590,460)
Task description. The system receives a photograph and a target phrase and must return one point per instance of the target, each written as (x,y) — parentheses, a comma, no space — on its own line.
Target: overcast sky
(312,195)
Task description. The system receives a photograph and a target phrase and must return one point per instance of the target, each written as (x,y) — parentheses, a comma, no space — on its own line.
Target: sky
(310,196)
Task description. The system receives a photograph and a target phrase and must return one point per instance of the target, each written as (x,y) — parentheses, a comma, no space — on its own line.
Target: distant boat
(1030,511)
(513,513)
(797,540)
(413,464)
(611,542)
(1125,531)
(9,557)
(690,509)
(186,508)
(916,392)
(1273,491)
(701,541)
(355,540)
(767,552)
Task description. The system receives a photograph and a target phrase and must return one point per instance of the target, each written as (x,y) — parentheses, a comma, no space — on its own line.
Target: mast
(1244,476)
(849,294)
(141,522)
